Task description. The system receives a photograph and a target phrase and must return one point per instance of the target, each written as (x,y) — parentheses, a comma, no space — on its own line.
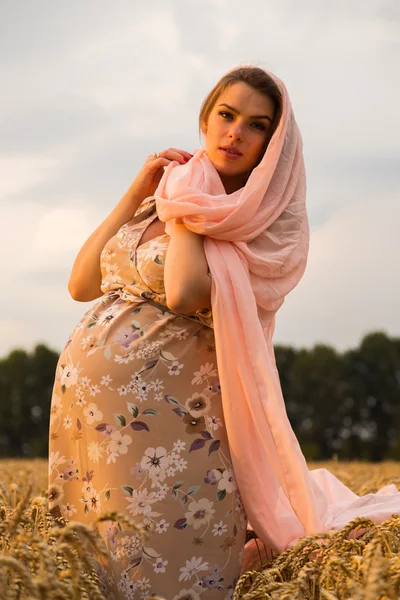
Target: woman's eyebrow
(253,117)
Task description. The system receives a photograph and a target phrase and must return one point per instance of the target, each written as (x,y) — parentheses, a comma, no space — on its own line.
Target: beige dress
(137,427)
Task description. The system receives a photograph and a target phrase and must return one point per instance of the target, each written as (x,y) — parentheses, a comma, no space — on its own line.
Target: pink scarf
(256,246)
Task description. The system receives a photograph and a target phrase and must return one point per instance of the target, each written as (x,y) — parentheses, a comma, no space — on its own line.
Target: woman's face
(236,133)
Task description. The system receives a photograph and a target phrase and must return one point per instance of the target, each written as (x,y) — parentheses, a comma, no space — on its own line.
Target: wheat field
(44,559)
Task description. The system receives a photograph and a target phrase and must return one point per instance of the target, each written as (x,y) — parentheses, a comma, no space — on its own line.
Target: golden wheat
(46,558)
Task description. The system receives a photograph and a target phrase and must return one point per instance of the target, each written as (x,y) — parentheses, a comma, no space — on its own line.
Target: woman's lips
(230,155)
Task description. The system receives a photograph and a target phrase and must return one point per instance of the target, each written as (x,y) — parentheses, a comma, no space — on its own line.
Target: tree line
(344,404)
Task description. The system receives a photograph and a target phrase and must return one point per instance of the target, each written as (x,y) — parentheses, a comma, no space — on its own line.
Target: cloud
(350,285)
(38,248)
(20,173)
(88,91)
(58,232)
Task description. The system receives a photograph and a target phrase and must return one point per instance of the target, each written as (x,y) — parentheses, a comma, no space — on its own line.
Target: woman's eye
(225,115)
(259,126)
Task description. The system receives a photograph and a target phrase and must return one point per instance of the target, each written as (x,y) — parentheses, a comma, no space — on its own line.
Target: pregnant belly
(114,328)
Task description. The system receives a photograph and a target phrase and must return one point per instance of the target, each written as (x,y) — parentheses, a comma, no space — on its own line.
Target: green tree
(26,382)
(316,385)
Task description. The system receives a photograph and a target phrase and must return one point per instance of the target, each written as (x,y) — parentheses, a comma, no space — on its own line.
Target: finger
(176,154)
(184,153)
(157,163)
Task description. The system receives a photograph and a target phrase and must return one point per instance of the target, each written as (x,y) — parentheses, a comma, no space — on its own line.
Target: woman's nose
(236,131)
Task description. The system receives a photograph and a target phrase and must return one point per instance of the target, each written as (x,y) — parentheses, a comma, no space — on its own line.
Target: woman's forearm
(186,280)
(85,279)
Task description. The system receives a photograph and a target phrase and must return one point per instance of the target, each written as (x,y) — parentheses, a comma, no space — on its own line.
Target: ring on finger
(156,155)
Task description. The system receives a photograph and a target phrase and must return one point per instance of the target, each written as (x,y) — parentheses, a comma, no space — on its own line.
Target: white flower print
(55,460)
(112,457)
(142,392)
(87,488)
(139,471)
(148,349)
(106,380)
(141,501)
(69,375)
(182,334)
(167,334)
(239,504)
(181,464)
(219,528)
(108,315)
(162,526)
(187,595)
(162,491)
(157,477)
(93,501)
(67,422)
(214,423)
(85,341)
(206,371)
(128,545)
(120,443)
(155,460)
(179,446)
(112,272)
(94,389)
(91,344)
(227,481)
(144,584)
(157,486)
(95,451)
(153,248)
(79,393)
(108,253)
(199,513)
(159,565)
(157,385)
(69,509)
(172,457)
(127,586)
(92,413)
(56,493)
(94,347)
(124,360)
(175,368)
(56,406)
(192,567)
(147,525)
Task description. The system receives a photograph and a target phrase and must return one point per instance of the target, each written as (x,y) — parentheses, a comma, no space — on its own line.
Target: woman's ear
(203,127)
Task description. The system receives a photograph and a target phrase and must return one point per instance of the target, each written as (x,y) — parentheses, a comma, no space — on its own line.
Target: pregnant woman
(148,414)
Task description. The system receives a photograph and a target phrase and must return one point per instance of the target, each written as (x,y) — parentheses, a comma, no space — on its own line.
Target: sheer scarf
(256,245)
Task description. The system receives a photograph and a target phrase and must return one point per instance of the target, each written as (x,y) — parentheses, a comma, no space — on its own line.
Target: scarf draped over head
(256,245)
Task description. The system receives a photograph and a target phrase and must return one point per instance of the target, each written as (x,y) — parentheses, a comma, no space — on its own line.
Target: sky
(89,89)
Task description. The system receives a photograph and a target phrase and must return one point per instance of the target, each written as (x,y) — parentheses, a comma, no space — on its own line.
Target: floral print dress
(137,427)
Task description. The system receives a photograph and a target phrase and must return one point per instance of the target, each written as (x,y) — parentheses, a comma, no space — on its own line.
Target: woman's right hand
(148,178)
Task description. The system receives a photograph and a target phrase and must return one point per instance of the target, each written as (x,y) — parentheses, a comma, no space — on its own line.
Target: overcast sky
(89,89)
